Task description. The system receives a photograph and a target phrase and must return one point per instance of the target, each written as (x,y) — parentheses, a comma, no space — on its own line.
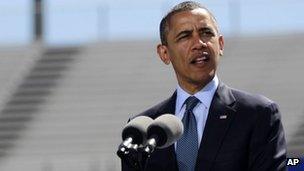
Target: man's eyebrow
(206,28)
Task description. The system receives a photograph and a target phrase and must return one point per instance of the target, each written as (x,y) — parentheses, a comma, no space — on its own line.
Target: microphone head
(168,129)
(137,129)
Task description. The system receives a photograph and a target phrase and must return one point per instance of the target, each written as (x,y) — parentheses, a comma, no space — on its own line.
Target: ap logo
(293,161)
(295,164)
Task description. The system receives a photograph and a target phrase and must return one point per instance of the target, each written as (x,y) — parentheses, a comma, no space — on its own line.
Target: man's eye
(183,36)
(207,33)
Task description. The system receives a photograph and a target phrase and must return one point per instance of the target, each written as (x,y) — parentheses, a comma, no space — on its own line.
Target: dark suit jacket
(251,138)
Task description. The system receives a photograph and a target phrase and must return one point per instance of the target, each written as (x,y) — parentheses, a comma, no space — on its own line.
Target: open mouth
(201,58)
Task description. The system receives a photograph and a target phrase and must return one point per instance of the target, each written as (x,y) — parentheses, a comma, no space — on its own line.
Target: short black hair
(183,6)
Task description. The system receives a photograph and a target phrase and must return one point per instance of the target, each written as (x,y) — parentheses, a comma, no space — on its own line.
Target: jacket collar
(221,113)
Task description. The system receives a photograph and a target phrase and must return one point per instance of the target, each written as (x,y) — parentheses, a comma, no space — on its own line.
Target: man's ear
(162,51)
(221,43)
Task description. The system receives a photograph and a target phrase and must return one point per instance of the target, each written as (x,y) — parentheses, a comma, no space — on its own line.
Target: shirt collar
(205,95)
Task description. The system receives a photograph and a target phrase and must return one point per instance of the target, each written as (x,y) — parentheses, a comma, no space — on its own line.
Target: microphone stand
(134,156)
(148,150)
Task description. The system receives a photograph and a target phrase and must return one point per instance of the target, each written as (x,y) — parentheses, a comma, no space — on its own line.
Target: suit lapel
(168,106)
(166,157)
(220,115)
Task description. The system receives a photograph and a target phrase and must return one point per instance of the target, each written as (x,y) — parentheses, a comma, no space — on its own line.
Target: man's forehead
(183,16)
(200,11)
(181,19)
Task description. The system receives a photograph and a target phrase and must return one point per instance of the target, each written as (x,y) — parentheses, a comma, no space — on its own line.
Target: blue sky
(77,21)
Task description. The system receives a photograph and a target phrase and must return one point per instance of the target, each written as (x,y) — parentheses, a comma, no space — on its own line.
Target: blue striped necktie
(187,146)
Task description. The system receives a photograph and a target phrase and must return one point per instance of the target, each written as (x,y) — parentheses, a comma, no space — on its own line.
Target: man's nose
(198,42)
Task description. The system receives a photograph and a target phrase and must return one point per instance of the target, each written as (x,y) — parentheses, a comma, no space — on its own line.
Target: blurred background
(72,72)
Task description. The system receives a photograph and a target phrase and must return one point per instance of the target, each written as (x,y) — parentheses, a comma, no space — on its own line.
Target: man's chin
(201,82)
(204,78)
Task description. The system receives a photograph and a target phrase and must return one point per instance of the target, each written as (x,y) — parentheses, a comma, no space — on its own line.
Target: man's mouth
(201,58)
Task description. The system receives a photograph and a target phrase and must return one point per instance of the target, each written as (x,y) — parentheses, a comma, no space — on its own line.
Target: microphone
(163,132)
(134,134)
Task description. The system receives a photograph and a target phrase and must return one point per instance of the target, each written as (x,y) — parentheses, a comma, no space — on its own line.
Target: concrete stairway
(83,97)
(14,65)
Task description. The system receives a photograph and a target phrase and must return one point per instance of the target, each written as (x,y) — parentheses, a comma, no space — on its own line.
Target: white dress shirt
(201,110)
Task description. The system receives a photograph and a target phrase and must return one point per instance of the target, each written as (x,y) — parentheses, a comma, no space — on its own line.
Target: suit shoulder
(154,111)
(251,100)
(258,108)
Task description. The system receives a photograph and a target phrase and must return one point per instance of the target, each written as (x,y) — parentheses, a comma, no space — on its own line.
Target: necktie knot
(191,102)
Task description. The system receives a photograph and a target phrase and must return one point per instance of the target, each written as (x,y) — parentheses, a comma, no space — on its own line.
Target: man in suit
(226,129)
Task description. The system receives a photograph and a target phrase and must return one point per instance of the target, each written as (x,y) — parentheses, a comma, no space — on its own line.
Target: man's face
(193,48)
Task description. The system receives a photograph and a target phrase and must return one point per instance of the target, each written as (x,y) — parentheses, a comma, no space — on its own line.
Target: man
(225,129)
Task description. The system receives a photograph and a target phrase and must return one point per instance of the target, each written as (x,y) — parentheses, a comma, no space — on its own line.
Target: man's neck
(193,88)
